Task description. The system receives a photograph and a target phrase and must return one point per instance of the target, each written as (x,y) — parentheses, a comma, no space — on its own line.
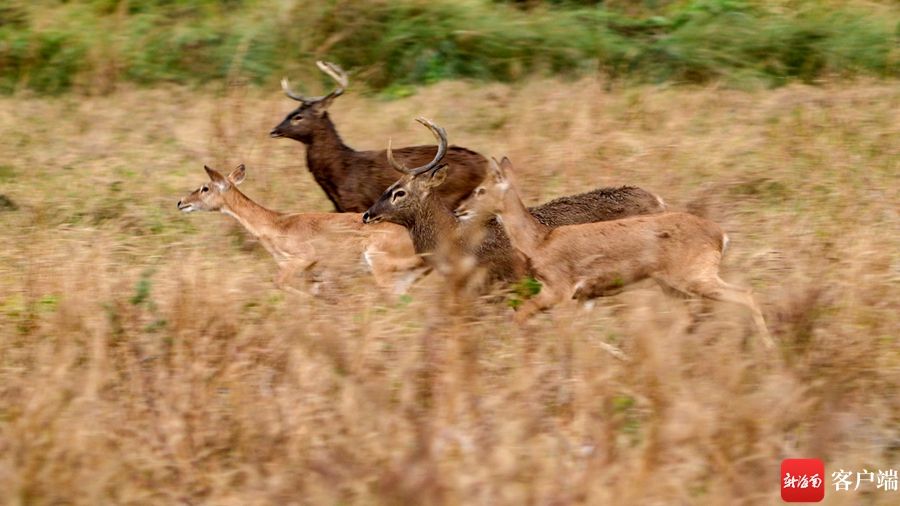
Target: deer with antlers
(414,203)
(317,245)
(680,251)
(352,179)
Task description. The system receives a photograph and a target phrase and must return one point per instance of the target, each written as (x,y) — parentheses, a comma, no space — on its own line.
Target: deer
(352,180)
(413,202)
(311,243)
(680,251)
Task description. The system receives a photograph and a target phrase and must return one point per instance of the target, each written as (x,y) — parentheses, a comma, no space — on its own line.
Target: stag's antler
(286,87)
(336,73)
(332,71)
(439,133)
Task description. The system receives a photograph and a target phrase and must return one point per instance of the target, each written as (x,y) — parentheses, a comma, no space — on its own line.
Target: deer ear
(237,175)
(496,172)
(320,107)
(217,178)
(505,165)
(437,176)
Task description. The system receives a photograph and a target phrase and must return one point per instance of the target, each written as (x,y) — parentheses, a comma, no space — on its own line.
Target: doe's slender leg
(717,289)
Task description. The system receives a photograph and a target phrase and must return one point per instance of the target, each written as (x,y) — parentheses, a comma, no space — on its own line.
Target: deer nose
(366,217)
(274,133)
(178,204)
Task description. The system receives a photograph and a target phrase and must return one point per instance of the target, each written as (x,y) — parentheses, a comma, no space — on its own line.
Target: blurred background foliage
(50,46)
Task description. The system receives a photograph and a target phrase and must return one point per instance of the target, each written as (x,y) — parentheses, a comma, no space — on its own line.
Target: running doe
(312,243)
(680,251)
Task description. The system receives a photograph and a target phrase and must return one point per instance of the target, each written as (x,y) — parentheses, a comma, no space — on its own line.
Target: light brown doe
(680,251)
(313,244)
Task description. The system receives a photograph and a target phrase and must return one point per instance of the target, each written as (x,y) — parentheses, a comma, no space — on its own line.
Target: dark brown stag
(352,179)
(412,202)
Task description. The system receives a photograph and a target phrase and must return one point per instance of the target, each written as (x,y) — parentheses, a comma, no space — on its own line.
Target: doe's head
(301,123)
(487,199)
(211,196)
(403,200)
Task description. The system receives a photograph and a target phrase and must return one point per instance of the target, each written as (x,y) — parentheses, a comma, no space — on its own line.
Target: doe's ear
(437,176)
(217,178)
(237,175)
(505,165)
(496,172)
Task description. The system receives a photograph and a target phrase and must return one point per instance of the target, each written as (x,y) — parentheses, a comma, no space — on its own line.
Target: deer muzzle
(369,219)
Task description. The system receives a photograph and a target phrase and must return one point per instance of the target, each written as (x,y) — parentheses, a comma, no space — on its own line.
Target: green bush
(52,46)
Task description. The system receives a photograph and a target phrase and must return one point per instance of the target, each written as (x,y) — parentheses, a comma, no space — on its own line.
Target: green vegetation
(523,290)
(52,46)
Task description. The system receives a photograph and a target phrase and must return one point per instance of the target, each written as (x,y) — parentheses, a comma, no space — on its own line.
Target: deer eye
(296,119)
(479,191)
(399,194)
(204,189)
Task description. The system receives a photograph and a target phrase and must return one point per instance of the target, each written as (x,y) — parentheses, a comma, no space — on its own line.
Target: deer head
(405,199)
(211,196)
(487,199)
(303,121)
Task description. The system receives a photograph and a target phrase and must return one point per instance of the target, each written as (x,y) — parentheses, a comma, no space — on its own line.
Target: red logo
(802,480)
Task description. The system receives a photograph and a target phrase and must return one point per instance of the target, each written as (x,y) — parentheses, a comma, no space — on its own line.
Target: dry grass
(146,357)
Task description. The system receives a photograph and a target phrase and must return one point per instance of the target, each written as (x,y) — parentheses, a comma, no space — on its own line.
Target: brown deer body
(353,180)
(411,202)
(312,243)
(680,251)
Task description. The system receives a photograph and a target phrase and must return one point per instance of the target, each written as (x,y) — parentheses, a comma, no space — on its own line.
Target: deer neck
(324,146)
(434,223)
(258,220)
(525,233)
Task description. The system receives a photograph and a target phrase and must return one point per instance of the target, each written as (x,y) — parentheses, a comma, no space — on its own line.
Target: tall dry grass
(146,358)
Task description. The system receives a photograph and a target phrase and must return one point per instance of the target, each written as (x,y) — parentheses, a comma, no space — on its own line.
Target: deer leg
(717,289)
(398,277)
(383,277)
(326,285)
(398,282)
(385,265)
(287,271)
(411,277)
(695,316)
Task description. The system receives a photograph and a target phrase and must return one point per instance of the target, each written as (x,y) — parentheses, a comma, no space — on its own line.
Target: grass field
(146,358)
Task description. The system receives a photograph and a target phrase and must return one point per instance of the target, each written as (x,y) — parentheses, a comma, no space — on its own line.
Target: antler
(332,71)
(336,73)
(286,87)
(439,133)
